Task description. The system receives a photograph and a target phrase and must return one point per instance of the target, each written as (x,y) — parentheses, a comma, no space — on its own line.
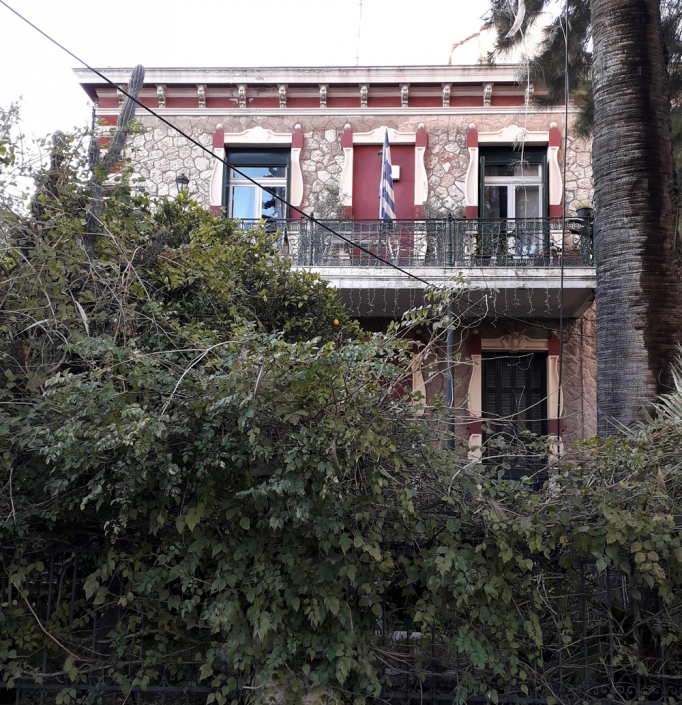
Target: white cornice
(350,113)
(312,75)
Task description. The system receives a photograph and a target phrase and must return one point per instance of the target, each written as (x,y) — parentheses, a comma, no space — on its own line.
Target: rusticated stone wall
(160,153)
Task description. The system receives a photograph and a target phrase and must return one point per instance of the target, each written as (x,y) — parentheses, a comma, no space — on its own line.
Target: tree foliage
(250,493)
(547,69)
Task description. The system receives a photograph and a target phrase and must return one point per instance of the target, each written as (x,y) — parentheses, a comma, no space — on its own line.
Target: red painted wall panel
(383,101)
(503,100)
(303,102)
(263,102)
(466,101)
(343,101)
(185,102)
(366,174)
(220,102)
(426,101)
(108,102)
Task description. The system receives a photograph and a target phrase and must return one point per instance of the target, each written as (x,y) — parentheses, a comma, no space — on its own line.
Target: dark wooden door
(514,397)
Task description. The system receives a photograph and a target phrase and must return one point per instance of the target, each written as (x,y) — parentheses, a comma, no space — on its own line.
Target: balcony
(511,266)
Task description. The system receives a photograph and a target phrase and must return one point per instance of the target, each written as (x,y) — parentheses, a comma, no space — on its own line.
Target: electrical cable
(563,228)
(311,219)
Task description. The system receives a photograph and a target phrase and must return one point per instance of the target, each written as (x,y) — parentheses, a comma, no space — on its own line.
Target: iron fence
(588,640)
(532,242)
(585,636)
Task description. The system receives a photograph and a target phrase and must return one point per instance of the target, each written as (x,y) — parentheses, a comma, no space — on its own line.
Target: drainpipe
(450,387)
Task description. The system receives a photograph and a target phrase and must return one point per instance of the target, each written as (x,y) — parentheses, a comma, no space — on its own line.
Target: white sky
(210,33)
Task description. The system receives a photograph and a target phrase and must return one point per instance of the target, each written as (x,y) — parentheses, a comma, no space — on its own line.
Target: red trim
(475,427)
(303,102)
(108,102)
(347,138)
(422,138)
(297,139)
(220,102)
(383,101)
(182,102)
(556,211)
(553,347)
(554,137)
(471,212)
(219,139)
(553,427)
(474,344)
(498,101)
(466,101)
(264,102)
(472,137)
(215,210)
(426,101)
(342,102)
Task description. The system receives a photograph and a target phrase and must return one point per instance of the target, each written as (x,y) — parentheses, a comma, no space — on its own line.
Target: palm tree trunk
(639,280)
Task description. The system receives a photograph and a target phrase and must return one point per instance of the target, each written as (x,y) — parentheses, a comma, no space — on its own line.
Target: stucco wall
(160,153)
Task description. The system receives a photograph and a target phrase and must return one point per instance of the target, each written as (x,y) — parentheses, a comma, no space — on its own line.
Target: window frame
(504,157)
(256,157)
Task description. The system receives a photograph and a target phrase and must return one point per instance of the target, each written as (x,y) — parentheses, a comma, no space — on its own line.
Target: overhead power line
(311,219)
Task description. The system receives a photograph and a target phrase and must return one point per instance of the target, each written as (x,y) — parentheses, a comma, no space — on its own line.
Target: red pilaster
(297,138)
(347,143)
(554,348)
(218,143)
(555,211)
(219,138)
(421,140)
(474,348)
(472,142)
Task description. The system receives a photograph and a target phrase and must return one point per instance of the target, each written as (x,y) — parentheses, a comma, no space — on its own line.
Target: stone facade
(159,153)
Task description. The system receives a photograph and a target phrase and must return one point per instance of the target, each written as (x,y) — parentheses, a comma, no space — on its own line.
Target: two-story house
(482,183)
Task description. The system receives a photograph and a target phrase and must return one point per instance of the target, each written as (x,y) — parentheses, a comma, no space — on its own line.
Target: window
(514,400)
(247,200)
(512,188)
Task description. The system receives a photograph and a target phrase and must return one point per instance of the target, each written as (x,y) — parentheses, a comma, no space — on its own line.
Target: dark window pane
(495,202)
(262,172)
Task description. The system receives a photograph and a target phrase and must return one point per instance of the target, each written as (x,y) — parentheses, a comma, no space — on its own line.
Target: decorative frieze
(323,95)
(201,95)
(241,95)
(282,93)
(487,95)
(446,95)
(161,95)
(364,89)
(404,93)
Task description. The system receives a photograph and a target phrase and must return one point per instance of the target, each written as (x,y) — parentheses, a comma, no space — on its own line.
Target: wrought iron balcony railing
(532,242)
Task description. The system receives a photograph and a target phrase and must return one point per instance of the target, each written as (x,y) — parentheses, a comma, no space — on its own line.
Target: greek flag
(386,194)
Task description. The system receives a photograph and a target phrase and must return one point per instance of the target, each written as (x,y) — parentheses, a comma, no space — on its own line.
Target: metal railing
(583,636)
(450,242)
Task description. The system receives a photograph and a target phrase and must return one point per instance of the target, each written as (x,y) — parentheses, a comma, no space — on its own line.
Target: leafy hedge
(201,451)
